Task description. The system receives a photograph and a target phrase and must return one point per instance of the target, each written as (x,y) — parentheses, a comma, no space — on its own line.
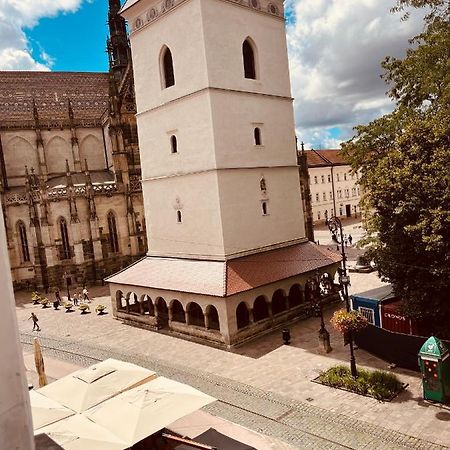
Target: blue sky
(75,41)
(335,48)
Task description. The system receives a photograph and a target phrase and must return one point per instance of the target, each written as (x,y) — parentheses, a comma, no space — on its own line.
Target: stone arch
(147,305)
(177,311)
(278,301)
(133,302)
(295,297)
(260,309)
(91,149)
(19,152)
(121,302)
(57,150)
(242,315)
(161,312)
(195,314)
(212,318)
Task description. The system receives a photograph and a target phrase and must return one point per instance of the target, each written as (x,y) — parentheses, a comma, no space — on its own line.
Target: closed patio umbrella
(146,409)
(86,388)
(39,363)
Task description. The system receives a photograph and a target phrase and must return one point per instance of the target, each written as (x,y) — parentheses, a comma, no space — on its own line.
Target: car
(362,265)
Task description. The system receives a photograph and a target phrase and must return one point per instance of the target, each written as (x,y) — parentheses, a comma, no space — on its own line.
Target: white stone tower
(219,168)
(216,177)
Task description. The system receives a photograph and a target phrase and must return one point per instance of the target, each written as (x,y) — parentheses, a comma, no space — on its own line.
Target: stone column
(16,429)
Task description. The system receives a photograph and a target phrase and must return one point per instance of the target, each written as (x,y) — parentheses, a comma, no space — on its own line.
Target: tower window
(25,253)
(66,253)
(249,60)
(167,66)
(173,144)
(264,208)
(179,217)
(257,135)
(113,239)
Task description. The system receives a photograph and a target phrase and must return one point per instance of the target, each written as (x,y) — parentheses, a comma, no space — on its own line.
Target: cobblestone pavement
(300,424)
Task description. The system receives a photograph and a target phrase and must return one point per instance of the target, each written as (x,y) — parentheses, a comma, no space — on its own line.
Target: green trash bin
(434,363)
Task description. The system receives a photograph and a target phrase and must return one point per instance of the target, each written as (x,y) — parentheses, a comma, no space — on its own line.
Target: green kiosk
(434,362)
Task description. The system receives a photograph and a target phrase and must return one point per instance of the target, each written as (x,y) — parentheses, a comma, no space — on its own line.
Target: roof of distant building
(226,278)
(51,91)
(325,158)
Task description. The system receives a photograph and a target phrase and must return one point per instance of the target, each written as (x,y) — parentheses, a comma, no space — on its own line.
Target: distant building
(70,170)
(228,256)
(334,188)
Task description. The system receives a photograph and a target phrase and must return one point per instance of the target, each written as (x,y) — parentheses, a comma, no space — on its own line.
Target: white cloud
(17,15)
(335,50)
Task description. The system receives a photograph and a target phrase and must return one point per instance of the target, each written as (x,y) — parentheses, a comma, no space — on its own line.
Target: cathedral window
(257,135)
(24,250)
(173,144)
(167,69)
(66,253)
(248,55)
(179,217)
(112,228)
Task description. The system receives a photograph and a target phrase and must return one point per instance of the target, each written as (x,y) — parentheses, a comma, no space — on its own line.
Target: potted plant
(348,321)
(84,308)
(44,302)
(35,297)
(100,309)
(68,306)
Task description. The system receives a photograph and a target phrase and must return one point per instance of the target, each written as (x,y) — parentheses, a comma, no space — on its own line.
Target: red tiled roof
(88,92)
(323,158)
(225,278)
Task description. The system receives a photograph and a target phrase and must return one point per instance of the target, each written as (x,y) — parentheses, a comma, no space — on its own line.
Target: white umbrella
(79,433)
(146,409)
(86,388)
(46,411)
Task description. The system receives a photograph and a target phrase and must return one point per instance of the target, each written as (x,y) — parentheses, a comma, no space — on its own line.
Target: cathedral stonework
(70,176)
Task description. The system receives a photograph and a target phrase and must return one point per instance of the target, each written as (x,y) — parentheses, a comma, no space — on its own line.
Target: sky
(335,49)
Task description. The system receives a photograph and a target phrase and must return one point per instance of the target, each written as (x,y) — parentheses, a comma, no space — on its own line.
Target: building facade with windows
(70,170)
(228,254)
(334,187)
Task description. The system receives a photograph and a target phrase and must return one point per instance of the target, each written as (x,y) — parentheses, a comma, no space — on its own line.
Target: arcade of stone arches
(164,313)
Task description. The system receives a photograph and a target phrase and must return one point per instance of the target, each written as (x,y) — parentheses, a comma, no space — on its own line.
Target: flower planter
(45,303)
(83,308)
(100,309)
(68,307)
(348,322)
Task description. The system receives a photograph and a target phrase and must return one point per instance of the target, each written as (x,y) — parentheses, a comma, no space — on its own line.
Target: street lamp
(66,277)
(320,287)
(337,234)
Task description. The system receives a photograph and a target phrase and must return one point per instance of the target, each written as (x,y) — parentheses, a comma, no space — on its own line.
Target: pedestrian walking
(35,321)
(57,300)
(350,239)
(85,295)
(345,240)
(75,297)
(58,296)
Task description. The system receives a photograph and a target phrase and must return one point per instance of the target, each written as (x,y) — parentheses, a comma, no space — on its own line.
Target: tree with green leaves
(404,159)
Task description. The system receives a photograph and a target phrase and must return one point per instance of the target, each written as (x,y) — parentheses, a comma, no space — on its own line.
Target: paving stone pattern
(300,424)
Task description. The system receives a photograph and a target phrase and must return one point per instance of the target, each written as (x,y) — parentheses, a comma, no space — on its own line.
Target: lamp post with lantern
(337,234)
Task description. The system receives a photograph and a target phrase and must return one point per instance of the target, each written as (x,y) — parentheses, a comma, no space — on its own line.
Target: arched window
(242,316)
(167,68)
(295,296)
(264,208)
(65,251)
(178,312)
(173,144)
(24,250)
(260,309)
(278,302)
(195,314)
(213,318)
(257,134)
(248,56)
(113,240)
(179,217)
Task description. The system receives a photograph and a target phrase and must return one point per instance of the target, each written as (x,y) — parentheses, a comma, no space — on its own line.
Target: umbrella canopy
(218,440)
(46,411)
(39,363)
(86,388)
(79,433)
(142,411)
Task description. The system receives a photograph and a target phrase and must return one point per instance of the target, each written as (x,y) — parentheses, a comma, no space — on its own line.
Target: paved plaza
(264,385)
